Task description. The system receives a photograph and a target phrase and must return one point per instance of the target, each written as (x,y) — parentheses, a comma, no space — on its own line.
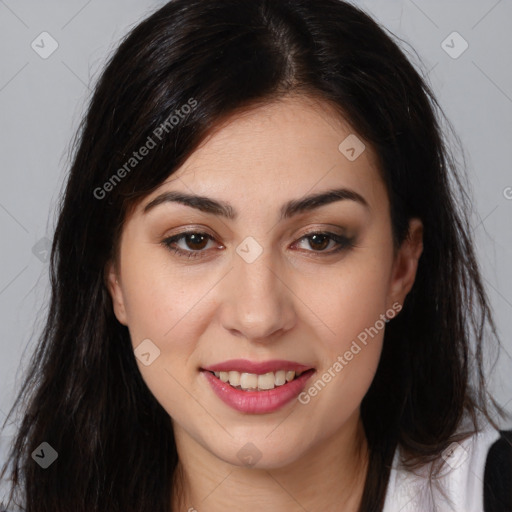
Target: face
(264,276)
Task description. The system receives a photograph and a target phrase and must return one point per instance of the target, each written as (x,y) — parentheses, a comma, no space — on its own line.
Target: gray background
(42,101)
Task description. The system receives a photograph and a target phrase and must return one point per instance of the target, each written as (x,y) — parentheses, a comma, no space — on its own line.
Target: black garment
(498,475)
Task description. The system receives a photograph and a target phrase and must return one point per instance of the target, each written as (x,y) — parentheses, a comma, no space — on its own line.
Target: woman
(260,282)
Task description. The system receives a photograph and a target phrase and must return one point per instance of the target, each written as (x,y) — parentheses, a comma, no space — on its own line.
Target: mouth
(247,375)
(245,381)
(252,393)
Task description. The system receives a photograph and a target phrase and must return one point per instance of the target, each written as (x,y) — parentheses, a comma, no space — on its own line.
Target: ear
(116,292)
(406,263)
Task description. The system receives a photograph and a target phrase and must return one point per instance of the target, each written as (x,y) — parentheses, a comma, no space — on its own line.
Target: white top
(462,478)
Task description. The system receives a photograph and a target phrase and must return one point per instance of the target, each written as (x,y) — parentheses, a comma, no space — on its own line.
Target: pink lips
(259,368)
(257,402)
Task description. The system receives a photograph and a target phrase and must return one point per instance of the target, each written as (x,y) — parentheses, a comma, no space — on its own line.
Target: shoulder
(476,477)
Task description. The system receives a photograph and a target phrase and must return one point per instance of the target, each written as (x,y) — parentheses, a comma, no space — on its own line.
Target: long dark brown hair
(84,394)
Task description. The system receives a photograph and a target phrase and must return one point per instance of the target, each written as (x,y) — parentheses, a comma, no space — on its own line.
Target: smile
(246,393)
(253,381)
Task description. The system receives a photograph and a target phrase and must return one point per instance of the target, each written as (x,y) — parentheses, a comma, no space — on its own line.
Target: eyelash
(343,242)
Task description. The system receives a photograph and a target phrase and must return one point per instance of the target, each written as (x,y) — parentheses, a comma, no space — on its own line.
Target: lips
(259,368)
(257,402)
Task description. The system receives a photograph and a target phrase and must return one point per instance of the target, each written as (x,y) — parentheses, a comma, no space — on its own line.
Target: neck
(331,475)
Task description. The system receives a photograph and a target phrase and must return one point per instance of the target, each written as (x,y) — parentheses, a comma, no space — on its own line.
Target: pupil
(195,240)
(323,245)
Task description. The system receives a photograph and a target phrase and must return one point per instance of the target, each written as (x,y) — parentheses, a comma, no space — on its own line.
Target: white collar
(462,479)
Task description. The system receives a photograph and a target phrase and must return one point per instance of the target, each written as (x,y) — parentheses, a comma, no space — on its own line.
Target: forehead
(277,152)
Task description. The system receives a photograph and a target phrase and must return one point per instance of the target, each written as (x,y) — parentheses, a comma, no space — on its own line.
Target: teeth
(234,378)
(253,381)
(266,381)
(280,378)
(248,381)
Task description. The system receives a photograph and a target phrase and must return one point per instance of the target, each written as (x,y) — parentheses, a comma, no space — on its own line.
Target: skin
(295,301)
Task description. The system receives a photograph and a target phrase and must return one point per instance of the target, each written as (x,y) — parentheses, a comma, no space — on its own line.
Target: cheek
(351,352)
(352,306)
(351,300)
(161,308)
(168,307)
(160,301)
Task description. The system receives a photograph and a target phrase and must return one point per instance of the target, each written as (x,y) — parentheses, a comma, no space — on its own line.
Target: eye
(196,242)
(192,239)
(319,241)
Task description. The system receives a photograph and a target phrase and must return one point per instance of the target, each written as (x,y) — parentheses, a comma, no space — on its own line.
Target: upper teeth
(253,381)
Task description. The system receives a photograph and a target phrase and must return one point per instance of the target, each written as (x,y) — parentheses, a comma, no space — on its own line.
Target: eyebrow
(289,209)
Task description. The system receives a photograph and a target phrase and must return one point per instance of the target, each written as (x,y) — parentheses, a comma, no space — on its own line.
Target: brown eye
(320,241)
(194,243)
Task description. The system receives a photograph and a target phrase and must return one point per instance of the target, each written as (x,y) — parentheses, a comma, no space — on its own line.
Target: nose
(257,302)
